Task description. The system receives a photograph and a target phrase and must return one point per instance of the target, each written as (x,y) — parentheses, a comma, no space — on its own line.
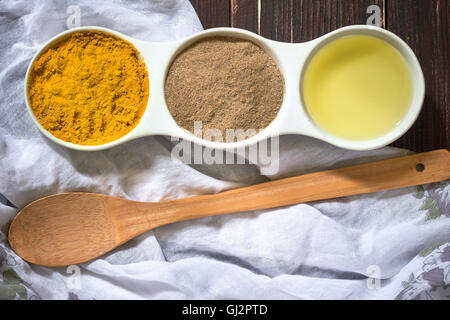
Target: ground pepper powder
(89,89)
(226,83)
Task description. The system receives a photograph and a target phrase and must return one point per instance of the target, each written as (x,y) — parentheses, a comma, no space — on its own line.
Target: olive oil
(357,87)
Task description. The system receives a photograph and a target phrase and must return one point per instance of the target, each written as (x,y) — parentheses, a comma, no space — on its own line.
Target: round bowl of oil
(362,87)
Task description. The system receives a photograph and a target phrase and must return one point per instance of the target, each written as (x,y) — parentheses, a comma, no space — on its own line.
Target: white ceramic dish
(291,59)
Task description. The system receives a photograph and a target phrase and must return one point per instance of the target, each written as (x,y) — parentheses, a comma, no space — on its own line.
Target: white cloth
(322,250)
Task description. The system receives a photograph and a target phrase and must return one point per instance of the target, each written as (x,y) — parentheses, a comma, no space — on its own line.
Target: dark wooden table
(423,24)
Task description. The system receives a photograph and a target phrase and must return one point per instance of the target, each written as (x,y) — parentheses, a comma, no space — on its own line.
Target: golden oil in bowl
(357,87)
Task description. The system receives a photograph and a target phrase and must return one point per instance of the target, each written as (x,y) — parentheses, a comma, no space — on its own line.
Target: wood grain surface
(423,24)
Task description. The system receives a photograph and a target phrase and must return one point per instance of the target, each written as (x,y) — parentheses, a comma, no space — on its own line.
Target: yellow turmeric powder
(90,88)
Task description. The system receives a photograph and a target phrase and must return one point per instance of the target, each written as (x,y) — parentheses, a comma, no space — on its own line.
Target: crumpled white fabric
(335,249)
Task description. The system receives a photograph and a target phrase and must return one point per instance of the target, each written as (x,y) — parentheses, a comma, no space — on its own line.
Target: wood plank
(244,14)
(425,26)
(213,13)
(312,18)
(276,20)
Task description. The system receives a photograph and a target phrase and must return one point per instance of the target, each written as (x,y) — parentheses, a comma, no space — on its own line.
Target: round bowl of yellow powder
(87,88)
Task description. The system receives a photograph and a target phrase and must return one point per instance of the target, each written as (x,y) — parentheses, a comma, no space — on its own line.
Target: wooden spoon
(72,228)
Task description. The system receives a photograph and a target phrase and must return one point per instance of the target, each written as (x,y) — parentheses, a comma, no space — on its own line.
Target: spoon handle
(381,175)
